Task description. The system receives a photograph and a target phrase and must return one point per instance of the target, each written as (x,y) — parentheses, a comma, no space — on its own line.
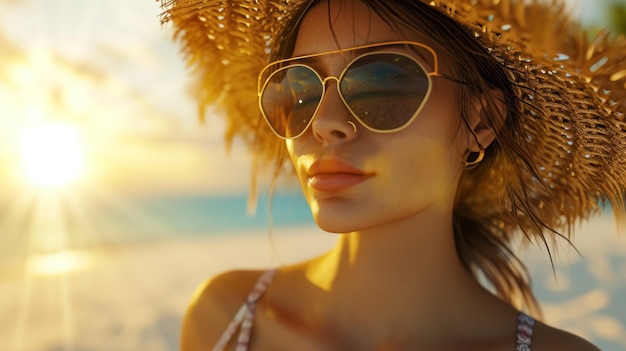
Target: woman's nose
(333,121)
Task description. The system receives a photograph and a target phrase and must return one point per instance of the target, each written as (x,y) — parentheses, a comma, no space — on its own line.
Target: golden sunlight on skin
(51,155)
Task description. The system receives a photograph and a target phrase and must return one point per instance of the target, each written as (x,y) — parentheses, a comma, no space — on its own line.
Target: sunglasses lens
(385,91)
(290,98)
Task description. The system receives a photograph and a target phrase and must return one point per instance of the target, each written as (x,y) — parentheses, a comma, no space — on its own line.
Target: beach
(133,296)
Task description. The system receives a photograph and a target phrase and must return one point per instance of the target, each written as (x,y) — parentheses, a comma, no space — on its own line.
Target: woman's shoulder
(214,304)
(553,339)
(231,285)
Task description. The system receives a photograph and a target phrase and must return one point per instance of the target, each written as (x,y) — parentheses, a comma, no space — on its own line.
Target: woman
(432,135)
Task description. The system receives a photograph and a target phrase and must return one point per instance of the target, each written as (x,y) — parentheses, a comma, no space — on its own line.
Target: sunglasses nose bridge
(329,78)
(329,122)
(325,87)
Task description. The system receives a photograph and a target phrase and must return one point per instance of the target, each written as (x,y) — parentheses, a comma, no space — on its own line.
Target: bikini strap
(525,326)
(245,315)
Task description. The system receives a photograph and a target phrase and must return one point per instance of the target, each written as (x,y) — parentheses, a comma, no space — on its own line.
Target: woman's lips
(329,182)
(334,174)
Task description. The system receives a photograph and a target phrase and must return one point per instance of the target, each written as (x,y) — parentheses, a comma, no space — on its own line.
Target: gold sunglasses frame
(435,73)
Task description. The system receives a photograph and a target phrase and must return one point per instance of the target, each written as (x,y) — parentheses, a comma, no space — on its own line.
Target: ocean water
(32,223)
(216,214)
(95,219)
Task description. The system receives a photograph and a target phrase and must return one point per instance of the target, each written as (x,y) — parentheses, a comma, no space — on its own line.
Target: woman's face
(357,181)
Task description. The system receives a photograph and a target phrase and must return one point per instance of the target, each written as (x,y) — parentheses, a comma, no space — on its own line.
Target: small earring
(479,158)
(353,126)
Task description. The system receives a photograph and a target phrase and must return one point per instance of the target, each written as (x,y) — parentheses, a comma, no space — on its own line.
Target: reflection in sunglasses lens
(290,99)
(385,90)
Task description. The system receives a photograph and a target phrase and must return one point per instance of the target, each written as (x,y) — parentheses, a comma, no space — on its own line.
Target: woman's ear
(487,115)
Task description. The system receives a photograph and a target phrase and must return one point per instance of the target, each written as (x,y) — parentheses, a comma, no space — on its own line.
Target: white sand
(132,297)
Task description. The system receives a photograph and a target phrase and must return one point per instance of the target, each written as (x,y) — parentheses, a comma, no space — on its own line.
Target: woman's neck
(405,275)
(406,254)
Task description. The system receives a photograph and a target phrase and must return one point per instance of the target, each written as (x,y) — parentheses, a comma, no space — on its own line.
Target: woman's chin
(334,228)
(334,225)
(338,224)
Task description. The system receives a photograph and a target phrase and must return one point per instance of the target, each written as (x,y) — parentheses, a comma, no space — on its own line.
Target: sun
(52,154)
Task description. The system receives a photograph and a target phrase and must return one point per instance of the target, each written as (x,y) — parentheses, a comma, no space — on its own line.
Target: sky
(109,72)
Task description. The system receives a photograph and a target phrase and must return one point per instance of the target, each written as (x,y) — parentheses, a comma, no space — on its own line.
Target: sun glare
(51,155)
(58,263)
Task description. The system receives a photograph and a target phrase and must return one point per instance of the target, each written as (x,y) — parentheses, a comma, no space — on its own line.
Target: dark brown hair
(482,239)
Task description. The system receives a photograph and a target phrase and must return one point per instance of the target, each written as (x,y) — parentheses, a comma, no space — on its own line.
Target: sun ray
(46,239)
(21,320)
(142,221)
(79,205)
(14,223)
(67,311)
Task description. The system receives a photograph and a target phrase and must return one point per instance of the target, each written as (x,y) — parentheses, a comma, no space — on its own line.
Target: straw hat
(572,94)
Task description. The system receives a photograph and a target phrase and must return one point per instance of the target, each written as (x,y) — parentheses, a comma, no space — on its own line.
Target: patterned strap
(245,315)
(525,325)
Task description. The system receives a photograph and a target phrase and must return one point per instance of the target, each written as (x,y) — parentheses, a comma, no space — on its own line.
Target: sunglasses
(384,90)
